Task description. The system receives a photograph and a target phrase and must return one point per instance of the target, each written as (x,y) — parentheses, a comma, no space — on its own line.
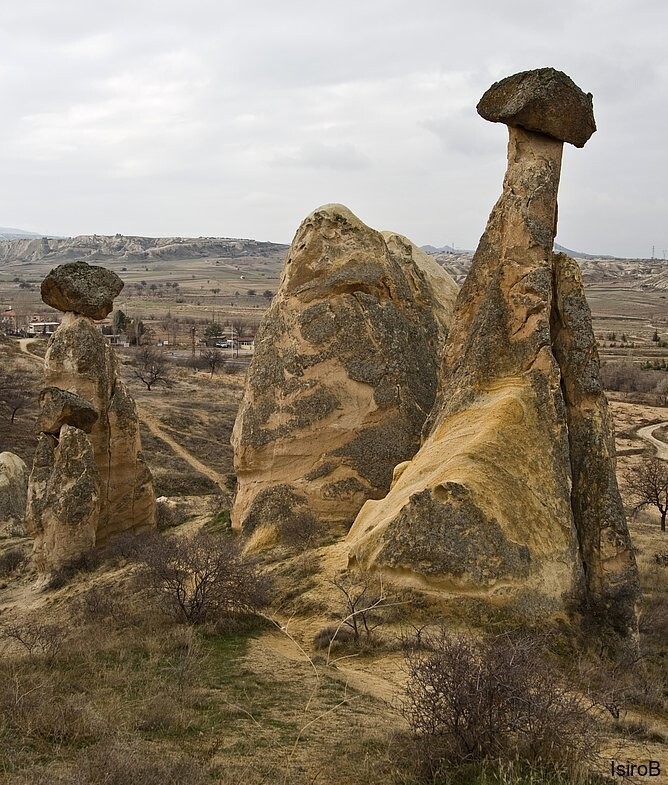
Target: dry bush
(201,578)
(12,561)
(169,514)
(118,763)
(362,599)
(35,638)
(88,561)
(494,701)
(299,530)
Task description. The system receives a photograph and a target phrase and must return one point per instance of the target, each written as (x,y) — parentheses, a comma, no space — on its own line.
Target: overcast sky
(214,117)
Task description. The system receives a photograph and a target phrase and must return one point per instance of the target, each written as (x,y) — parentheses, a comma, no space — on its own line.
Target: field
(109,691)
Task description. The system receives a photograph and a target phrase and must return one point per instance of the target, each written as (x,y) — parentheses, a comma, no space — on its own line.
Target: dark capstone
(451,536)
(80,288)
(545,101)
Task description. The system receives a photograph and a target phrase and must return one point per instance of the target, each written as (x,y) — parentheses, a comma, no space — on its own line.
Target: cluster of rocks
(89,481)
(512,493)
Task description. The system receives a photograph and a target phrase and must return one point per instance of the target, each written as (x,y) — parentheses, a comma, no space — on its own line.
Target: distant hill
(442,249)
(16,234)
(100,248)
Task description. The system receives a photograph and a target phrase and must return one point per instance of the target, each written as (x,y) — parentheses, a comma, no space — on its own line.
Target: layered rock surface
(343,376)
(85,399)
(512,495)
(13,494)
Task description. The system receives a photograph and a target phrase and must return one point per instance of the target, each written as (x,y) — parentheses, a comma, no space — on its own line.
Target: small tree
(15,393)
(362,599)
(120,321)
(201,578)
(267,294)
(152,367)
(213,330)
(212,360)
(647,484)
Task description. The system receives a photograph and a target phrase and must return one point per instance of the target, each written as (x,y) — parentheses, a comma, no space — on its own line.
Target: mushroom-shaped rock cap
(546,101)
(83,289)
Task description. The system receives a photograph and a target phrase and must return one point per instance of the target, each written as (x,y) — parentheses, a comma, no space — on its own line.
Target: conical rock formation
(496,502)
(84,394)
(343,376)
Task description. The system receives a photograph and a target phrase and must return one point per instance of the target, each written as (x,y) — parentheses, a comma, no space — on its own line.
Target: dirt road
(646,433)
(154,426)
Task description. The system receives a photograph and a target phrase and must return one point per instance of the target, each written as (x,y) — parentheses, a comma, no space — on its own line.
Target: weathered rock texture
(512,494)
(79,288)
(85,399)
(546,101)
(343,376)
(13,494)
(63,498)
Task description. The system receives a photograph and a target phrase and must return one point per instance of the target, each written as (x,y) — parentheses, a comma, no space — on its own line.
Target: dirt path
(646,433)
(23,346)
(154,426)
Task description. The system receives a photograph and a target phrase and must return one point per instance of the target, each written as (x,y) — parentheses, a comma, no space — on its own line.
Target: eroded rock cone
(486,505)
(84,395)
(343,376)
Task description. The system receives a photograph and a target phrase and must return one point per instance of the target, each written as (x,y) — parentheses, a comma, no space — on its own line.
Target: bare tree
(202,577)
(363,599)
(647,484)
(212,360)
(16,394)
(152,367)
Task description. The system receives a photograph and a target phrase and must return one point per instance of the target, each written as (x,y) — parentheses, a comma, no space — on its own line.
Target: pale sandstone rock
(84,393)
(343,376)
(78,287)
(63,499)
(611,577)
(80,361)
(485,507)
(13,494)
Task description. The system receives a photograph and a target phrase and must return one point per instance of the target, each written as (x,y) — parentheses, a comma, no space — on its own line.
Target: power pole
(193,330)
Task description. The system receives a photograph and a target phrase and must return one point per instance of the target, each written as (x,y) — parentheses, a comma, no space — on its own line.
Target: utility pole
(193,330)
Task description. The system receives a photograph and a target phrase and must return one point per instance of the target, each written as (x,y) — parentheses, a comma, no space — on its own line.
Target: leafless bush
(494,701)
(299,530)
(362,601)
(12,561)
(88,561)
(117,763)
(201,578)
(34,637)
(169,513)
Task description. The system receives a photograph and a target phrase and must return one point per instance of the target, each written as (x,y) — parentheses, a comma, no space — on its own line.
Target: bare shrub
(647,484)
(299,530)
(362,599)
(169,513)
(201,578)
(117,763)
(12,561)
(494,701)
(34,637)
(330,635)
(88,561)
